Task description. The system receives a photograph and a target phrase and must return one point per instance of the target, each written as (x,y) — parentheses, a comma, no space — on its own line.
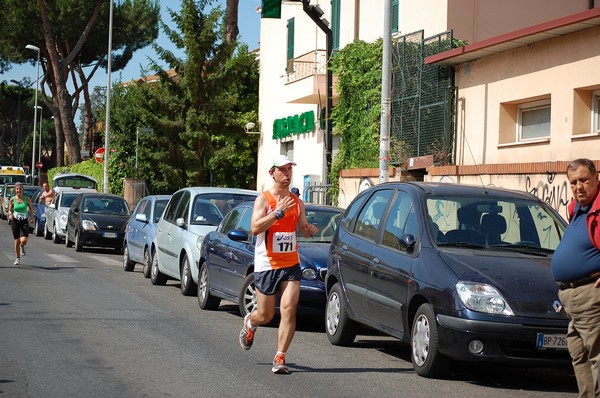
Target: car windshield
(325,220)
(498,222)
(30,192)
(10,191)
(105,205)
(209,208)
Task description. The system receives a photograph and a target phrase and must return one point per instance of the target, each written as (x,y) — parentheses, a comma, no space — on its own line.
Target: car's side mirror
(141,217)
(180,222)
(52,206)
(407,242)
(238,235)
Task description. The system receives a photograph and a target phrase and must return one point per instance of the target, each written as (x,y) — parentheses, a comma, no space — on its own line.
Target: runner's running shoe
(23,250)
(279,365)
(17,261)
(246,334)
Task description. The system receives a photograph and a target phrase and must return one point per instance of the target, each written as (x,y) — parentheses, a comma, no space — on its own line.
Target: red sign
(39,165)
(99,155)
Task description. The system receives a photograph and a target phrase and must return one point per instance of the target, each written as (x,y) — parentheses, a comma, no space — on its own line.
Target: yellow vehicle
(12,174)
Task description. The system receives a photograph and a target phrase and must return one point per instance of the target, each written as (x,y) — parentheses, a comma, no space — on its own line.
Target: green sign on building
(294,125)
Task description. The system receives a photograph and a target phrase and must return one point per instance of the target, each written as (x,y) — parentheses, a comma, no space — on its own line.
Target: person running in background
(19,211)
(277,213)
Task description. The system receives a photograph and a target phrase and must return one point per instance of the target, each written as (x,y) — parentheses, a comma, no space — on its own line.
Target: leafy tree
(197,111)
(73,35)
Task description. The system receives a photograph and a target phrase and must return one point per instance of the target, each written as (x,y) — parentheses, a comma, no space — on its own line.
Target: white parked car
(55,227)
(191,214)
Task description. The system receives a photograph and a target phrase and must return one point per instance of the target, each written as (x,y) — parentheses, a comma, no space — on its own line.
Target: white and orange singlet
(277,247)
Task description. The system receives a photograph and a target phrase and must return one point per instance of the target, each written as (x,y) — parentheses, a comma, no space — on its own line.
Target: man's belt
(577,283)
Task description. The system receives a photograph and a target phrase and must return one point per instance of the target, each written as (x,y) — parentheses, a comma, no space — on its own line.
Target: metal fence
(318,194)
(422,95)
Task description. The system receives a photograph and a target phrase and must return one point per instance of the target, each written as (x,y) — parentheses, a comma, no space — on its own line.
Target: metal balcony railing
(309,64)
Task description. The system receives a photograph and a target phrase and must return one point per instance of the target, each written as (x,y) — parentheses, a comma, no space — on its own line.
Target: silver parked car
(138,246)
(55,227)
(191,214)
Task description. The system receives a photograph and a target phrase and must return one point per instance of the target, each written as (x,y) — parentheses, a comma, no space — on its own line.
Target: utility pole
(386,94)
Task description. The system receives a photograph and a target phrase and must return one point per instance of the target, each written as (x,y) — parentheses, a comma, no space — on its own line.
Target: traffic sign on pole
(99,155)
(39,165)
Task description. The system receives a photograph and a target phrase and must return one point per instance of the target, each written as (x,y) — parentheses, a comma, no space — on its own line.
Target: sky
(248,23)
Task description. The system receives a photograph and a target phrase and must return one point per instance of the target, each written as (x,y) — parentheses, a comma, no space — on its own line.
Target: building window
(533,120)
(287,149)
(596,112)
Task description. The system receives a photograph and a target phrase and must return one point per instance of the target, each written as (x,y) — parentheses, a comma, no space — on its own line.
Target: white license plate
(110,234)
(551,341)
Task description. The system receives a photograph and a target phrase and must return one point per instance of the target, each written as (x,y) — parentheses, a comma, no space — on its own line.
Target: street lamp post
(40,146)
(18,122)
(107,122)
(37,83)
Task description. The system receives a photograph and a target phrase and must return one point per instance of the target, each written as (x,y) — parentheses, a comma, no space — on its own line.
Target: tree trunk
(231,21)
(59,150)
(60,64)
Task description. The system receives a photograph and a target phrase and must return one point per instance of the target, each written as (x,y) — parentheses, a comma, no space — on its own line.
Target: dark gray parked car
(458,271)
(97,220)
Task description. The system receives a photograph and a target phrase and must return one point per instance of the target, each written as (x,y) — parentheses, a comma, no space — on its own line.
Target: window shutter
(335,23)
(395,15)
(290,45)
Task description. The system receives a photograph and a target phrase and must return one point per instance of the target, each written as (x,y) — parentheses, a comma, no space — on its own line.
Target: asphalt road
(76,325)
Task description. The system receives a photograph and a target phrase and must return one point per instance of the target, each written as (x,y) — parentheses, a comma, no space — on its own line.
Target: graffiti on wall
(364,183)
(555,193)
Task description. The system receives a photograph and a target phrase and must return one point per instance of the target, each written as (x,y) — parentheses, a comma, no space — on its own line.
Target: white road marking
(59,258)
(106,260)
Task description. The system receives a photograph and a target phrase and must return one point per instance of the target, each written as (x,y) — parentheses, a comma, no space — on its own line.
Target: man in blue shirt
(576,268)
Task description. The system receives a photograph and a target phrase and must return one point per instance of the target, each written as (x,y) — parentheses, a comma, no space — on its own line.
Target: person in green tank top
(19,212)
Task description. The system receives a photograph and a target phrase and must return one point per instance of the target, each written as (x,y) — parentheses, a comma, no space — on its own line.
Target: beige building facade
(293,59)
(528,103)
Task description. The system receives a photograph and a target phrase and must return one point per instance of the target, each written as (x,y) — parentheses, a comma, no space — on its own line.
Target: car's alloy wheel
(426,357)
(157,277)
(55,237)
(146,269)
(47,234)
(341,330)
(206,301)
(78,245)
(247,300)
(68,242)
(188,286)
(128,265)
(36,230)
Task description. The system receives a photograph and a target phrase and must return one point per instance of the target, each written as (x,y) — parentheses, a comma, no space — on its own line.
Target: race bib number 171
(284,242)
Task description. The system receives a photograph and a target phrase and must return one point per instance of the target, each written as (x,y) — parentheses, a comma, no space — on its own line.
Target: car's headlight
(309,273)
(199,243)
(88,225)
(483,298)
(63,218)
